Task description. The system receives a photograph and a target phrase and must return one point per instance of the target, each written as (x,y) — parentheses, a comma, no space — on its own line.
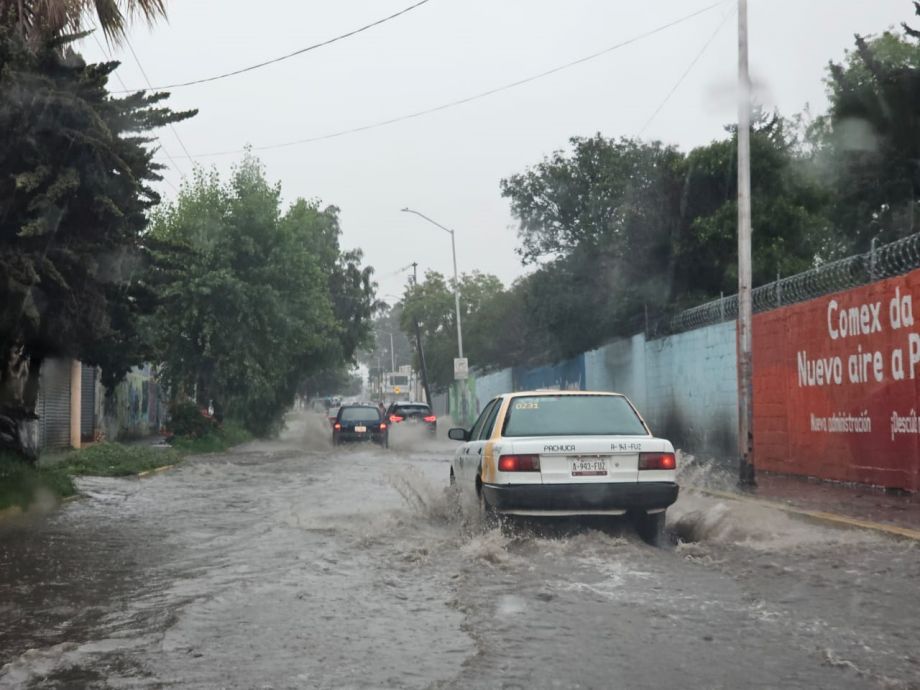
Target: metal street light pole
(745,355)
(453,247)
(392,355)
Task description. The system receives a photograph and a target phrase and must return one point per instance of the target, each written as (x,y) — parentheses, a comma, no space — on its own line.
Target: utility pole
(746,476)
(392,355)
(418,342)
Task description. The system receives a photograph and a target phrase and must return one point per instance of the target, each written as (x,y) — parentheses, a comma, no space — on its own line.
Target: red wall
(794,429)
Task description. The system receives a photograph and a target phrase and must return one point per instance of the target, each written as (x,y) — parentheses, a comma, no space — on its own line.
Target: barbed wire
(889,260)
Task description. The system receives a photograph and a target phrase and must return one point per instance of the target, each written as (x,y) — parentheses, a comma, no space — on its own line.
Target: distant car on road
(412,413)
(360,422)
(555,454)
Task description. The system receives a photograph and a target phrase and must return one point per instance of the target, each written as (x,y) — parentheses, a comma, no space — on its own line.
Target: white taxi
(566,453)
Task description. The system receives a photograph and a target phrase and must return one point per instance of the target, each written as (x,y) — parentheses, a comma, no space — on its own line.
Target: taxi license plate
(589,467)
(360,429)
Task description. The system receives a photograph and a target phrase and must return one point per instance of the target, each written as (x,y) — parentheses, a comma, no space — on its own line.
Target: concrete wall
(684,385)
(692,389)
(568,374)
(490,385)
(619,366)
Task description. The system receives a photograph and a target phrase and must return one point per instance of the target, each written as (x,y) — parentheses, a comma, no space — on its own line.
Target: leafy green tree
(789,214)
(618,227)
(76,169)
(431,302)
(602,221)
(332,381)
(257,302)
(869,142)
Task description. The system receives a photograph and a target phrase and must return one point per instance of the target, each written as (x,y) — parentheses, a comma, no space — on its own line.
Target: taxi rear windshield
(572,415)
(360,414)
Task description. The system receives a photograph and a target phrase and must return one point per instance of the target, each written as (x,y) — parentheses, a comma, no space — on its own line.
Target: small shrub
(185,419)
(225,436)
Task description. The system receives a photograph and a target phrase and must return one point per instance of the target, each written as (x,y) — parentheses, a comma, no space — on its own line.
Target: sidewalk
(843,504)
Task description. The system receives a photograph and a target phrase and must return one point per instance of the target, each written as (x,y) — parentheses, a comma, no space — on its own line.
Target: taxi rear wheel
(650,527)
(488,516)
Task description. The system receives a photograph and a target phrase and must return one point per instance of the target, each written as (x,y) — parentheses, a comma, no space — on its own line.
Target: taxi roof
(552,391)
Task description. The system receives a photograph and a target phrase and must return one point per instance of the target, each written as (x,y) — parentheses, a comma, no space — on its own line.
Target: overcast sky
(448,164)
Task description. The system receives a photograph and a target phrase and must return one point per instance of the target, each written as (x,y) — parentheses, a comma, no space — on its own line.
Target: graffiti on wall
(134,408)
(836,384)
(462,401)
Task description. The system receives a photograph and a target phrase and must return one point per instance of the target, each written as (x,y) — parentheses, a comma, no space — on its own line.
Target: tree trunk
(19,380)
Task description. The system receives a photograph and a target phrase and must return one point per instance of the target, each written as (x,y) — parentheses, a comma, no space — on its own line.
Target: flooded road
(288,564)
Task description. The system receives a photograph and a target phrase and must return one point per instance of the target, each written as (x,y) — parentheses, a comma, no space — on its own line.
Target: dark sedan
(412,413)
(360,423)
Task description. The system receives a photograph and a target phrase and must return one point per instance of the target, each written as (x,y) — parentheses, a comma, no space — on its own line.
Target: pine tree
(76,169)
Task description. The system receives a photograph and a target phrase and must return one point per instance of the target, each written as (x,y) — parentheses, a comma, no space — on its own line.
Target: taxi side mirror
(458,434)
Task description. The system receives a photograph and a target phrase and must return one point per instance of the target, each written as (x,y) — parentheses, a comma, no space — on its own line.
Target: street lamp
(392,352)
(453,246)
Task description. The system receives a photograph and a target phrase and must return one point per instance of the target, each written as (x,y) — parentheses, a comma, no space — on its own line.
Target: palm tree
(39,19)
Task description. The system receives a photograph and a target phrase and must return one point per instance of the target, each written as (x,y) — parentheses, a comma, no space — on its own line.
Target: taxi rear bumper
(573,499)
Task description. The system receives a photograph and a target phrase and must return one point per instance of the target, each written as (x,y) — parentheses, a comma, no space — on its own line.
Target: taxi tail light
(657,461)
(431,418)
(395,418)
(336,426)
(383,426)
(519,463)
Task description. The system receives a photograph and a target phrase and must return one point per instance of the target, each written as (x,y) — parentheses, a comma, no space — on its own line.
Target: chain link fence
(879,262)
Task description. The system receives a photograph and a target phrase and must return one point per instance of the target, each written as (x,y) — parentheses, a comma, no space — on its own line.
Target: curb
(819,515)
(155,470)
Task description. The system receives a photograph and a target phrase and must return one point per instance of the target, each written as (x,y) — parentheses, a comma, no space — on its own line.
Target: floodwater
(288,564)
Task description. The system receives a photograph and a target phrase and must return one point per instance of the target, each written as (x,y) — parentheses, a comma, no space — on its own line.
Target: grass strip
(22,483)
(115,460)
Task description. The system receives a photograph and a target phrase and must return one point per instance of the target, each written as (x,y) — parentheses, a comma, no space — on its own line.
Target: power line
(301,51)
(171,125)
(475,97)
(169,182)
(686,73)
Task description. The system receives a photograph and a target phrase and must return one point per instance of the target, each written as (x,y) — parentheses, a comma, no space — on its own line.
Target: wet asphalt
(289,564)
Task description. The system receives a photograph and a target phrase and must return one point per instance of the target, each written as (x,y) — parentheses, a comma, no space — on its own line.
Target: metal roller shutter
(54,403)
(87,402)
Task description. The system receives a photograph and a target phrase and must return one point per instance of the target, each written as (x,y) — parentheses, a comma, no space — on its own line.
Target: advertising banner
(836,383)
